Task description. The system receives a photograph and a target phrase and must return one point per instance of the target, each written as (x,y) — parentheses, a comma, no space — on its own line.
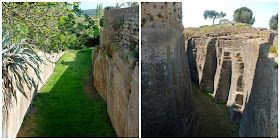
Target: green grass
(63,108)
(212,120)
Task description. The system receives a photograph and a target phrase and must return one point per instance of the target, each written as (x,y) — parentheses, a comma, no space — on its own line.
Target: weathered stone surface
(162,14)
(248,81)
(167,106)
(223,78)
(13,117)
(116,80)
(260,118)
(121,25)
(210,66)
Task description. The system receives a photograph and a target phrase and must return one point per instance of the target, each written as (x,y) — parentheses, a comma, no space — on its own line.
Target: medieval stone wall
(116,69)
(121,25)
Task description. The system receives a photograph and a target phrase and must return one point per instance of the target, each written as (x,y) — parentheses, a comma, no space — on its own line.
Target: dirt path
(212,120)
(68,105)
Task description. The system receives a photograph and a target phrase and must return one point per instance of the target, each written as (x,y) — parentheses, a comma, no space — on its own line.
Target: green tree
(273,22)
(244,15)
(101,12)
(97,11)
(213,14)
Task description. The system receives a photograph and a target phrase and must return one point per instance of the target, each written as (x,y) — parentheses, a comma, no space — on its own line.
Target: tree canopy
(50,26)
(273,22)
(213,14)
(244,15)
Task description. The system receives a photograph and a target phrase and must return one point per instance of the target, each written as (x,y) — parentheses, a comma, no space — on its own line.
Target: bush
(273,49)
(222,21)
(204,26)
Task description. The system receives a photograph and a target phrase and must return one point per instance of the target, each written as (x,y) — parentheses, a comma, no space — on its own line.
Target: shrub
(204,26)
(143,21)
(15,59)
(273,49)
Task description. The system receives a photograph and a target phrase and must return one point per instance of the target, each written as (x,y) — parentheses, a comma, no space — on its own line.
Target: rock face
(116,80)
(260,117)
(167,106)
(13,117)
(116,69)
(236,68)
(166,86)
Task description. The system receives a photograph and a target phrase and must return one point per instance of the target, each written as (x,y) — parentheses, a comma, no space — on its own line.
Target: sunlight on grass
(63,109)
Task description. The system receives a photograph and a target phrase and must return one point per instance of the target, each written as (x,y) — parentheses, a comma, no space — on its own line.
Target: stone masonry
(121,25)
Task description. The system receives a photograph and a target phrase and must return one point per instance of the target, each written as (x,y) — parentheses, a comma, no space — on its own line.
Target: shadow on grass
(63,108)
(212,120)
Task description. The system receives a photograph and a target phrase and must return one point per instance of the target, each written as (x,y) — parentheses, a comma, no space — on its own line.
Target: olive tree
(213,14)
(244,15)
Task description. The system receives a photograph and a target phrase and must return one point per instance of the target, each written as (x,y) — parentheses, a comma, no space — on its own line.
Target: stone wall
(167,105)
(260,117)
(162,14)
(13,117)
(121,25)
(116,80)
(230,67)
(116,69)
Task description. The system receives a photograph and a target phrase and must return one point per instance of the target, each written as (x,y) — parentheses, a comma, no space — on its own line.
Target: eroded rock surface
(167,106)
(245,76)
(116,80)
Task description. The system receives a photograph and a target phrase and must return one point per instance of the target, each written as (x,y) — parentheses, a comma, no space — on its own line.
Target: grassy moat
(212,120)
(68,105)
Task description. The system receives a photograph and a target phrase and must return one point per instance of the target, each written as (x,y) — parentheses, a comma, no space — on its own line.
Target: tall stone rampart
(167,105)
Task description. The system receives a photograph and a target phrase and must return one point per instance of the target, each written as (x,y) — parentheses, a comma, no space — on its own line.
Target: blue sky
(193,12)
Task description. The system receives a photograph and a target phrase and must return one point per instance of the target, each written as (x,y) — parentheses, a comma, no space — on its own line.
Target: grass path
(212,120)
(68,105)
